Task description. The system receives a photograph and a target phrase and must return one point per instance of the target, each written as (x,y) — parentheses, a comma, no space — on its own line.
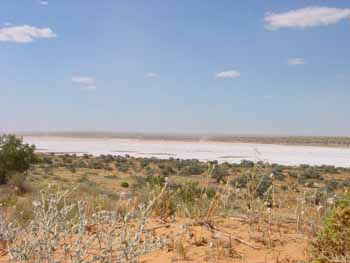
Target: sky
(226,67)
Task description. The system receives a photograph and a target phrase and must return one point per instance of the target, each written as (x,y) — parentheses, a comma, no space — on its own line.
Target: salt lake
(201,150)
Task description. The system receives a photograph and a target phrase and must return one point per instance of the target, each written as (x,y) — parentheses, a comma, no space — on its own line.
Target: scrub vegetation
(69,208)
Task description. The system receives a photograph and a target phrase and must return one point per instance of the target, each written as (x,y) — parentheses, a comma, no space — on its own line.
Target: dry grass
(85,215)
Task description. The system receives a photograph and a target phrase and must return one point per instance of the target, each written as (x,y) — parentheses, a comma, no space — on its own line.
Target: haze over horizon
(192,67)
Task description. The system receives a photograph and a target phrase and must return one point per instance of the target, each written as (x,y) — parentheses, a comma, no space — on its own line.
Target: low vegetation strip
(108,208)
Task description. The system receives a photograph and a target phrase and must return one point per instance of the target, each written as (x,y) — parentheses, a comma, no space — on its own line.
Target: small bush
(262,182)
(219,173)
(278,173)
(19,181)
(332,185)
(333,241)
(15,157)
(111,177)
(123,167)
(247,163)
(192,169)
(124,184)
(83,178)
(155,181)
(240,182)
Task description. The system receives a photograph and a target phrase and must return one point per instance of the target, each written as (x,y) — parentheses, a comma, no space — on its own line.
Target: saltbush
(333,241)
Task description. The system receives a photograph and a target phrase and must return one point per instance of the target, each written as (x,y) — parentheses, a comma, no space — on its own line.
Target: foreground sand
(228,240)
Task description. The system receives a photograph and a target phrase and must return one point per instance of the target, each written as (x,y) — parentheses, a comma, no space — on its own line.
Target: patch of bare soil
(229,240)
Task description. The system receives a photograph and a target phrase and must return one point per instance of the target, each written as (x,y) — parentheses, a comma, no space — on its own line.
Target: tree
(15,157)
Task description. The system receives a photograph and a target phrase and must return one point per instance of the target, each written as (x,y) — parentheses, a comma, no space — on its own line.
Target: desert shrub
(332,185)
(155,181)
(262,164)
(346,183)
(262,183)
(88,187)
(83,178)
(316,197)
(123,167)
(309,184)
(311,173)
(72,169)
(46,160)
(331,169)
(65,231)
(302,179)
(111,177)
(81,164)
(240,182)
(124,184)
(107,158)
(149,171)
(15,157)
(333,241)
(67,159)
(190,191)
(23,211)
(18,180)
(292,174)
(247,163)
(193,168)
(166,170)
(278,173)
(95,165)
(219,173)
(284,188)
(144,162)
(166,206)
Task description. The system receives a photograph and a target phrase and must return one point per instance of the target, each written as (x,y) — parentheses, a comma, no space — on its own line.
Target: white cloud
(152,75)
(24,34)
(85,82)
(306,17)
(228,74)
(42,2)
(296,61)
(8,24)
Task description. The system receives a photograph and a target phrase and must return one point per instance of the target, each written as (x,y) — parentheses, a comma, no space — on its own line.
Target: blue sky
(199,66)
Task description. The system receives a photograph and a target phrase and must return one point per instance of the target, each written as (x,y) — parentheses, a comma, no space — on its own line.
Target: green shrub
(278,173)
(19,181)
(333,241)
(123,167)
(153,180)
(191,191)
(193,168)
(262,183)
(83,178)
(219,173)
(332,185)
(240,182)
(124,184)
(284,188)
(111,177)
(247,163)
(166,170)
(15,157)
